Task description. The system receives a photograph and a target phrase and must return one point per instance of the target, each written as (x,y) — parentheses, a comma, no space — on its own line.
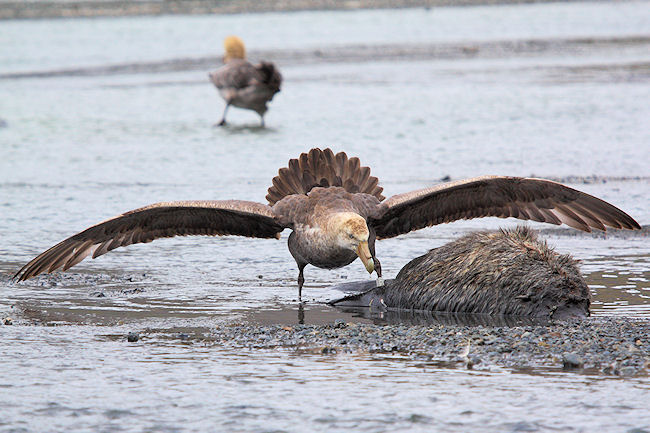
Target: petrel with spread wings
(336,211)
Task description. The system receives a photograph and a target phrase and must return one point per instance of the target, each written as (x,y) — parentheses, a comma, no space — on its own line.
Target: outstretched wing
(160,220)
(499,196)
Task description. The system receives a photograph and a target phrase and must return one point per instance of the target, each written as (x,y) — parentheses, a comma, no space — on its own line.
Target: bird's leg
(301,280)
(223,118)
(262,120)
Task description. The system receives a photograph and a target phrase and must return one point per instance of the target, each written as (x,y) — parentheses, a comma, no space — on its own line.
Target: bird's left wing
(499,196)
(235,75)
(160,220)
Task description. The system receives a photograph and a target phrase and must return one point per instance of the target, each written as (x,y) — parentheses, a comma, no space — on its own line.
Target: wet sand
(599,346)
(603,345)
(520,49)
(99,8)
(595,346)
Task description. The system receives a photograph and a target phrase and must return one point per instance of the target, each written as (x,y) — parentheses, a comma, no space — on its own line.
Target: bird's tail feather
(271,75)
(323,168)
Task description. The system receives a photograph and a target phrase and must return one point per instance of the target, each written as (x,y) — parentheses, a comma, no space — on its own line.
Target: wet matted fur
(507,272)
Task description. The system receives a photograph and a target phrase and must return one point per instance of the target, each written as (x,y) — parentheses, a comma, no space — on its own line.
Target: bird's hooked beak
(364,254)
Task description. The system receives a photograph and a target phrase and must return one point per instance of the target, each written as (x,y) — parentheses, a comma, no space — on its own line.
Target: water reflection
(438,318)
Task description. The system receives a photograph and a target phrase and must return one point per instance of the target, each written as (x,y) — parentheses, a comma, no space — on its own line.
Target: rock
(628,371)
(571,361)
(8,321)
(472,360)
(133,337)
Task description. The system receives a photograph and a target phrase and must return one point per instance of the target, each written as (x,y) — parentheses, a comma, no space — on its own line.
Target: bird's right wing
(160,220)
(499,196)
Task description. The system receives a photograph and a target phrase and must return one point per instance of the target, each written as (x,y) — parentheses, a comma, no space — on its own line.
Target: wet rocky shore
(605,346)
(96,8)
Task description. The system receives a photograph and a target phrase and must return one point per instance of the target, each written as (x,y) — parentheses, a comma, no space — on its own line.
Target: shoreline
(497,49)
(42,9)
(596,346)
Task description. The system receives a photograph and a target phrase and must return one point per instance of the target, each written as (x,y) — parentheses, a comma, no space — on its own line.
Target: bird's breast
(315,247)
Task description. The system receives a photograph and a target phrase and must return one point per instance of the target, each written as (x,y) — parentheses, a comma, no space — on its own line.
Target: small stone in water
(628,371)
(133,337)
(8,321)
(571,361)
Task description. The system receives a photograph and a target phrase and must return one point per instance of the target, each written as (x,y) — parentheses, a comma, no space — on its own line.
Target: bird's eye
(351,236)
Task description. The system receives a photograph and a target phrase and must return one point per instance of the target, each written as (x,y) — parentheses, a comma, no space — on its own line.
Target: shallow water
(77,150)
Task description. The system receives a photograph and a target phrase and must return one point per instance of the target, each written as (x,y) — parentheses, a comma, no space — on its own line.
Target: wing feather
(160,220)
(499,196)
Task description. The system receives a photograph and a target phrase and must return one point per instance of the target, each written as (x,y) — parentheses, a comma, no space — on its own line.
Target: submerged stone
(571,361)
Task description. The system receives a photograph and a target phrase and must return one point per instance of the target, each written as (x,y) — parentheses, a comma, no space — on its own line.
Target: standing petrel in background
(336,211)
(243,84)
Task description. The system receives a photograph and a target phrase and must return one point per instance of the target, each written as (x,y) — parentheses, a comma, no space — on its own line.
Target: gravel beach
(604,346)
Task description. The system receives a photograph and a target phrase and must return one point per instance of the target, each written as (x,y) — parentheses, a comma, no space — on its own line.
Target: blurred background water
(556,90)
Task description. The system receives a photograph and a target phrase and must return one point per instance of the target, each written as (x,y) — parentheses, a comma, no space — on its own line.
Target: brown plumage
(243,84)
(336,211)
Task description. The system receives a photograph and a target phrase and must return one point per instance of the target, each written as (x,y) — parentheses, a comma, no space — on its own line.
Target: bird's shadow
(235,129)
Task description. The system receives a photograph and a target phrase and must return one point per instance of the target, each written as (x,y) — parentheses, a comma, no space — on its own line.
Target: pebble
(571,361)
(133,337)
(628,371)
(607,343)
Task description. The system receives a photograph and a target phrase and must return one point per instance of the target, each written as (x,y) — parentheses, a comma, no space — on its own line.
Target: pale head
(351,232)
(234,48)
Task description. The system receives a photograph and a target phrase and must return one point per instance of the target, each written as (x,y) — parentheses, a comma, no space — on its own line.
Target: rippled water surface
(76,150)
